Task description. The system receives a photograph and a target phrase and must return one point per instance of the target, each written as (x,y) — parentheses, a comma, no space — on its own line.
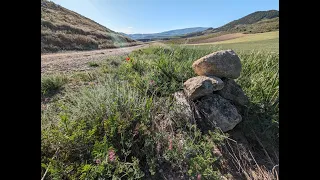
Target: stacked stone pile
(213,97)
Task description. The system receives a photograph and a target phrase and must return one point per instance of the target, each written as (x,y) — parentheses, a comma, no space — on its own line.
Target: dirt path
(77,61)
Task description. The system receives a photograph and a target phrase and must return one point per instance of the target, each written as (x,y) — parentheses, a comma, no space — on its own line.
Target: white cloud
(130,27)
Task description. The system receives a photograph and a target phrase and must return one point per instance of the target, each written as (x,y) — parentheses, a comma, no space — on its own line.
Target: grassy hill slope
(62,29)
(249,19)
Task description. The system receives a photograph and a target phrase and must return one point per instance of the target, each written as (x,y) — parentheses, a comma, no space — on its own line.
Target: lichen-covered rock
(233,92)
(215,111)
(183,105)
(199,86)
(225,63)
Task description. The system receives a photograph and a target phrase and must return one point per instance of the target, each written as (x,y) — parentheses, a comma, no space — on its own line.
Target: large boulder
(214,111)
(225,63)
(233,92)
(199,86)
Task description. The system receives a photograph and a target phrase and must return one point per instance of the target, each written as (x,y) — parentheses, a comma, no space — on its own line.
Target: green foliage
(262,26)
(127,127)
(93,64)
(82,135)
(260,80)
(85,76)
(50,84)
(161,70)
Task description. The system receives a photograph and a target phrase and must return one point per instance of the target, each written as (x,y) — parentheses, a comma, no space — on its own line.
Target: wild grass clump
(50,84)
(112,130)
(161,69)
(93,64)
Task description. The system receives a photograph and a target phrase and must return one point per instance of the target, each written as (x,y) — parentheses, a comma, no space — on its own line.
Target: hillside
(167,34)
(63,30)
(249,19)
(257,22)
(265,25)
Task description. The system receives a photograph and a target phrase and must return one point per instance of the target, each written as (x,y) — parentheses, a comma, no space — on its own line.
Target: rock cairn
(213,98)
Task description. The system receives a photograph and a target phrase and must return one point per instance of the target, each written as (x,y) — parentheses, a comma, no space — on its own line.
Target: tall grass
(130,112)
(260,81)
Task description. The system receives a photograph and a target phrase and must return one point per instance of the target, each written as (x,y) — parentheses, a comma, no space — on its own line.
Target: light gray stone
(199,86)
(225,63)
(183,105)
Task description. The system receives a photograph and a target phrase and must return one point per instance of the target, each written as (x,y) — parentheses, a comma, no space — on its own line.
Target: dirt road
(71,61)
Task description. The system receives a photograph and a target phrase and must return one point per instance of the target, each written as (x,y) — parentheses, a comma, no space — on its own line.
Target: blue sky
(152,16)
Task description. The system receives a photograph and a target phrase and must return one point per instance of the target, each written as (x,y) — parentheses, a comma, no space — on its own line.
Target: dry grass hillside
(257,22)
(63,30)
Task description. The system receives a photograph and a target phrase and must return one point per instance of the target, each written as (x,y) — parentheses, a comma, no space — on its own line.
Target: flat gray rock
(199,86)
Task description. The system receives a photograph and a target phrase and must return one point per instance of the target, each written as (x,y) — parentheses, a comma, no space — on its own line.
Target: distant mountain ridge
(166,34)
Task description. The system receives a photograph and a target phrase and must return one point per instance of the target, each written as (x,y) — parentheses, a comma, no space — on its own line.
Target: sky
(153,16)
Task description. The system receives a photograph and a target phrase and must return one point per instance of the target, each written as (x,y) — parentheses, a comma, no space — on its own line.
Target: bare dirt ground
(219,38)
(77,61)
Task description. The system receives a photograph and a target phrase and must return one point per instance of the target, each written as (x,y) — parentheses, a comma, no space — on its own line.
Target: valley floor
(78,60)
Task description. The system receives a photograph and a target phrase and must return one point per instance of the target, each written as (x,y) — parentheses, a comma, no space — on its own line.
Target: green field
(268,42)
(252,38)
(271,45)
